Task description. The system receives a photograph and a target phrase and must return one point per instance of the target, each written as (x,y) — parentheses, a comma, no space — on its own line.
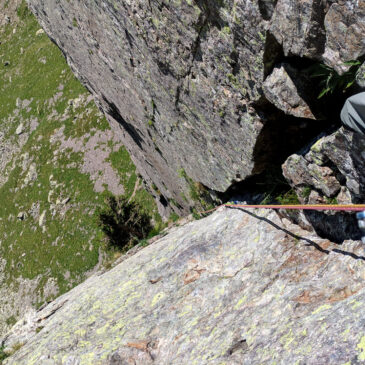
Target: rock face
(183,81)
(345,33)
(332,171)
(280,89)
(360,76)
(298,26)
(176,76)
(237,287)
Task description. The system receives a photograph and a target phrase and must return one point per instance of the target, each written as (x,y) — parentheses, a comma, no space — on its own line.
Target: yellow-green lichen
(240,302)
(355,304)
(361,347)
(288,339)
(187,309)
(345,334)
(322,308)
(157,298)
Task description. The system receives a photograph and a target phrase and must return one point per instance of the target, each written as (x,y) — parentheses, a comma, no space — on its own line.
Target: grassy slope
(68,245)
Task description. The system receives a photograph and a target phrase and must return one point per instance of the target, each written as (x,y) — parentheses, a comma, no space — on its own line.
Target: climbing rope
(336,207)
(333,207)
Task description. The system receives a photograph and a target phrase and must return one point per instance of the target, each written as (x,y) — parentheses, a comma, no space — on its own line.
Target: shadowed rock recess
(235,288)
(182,81)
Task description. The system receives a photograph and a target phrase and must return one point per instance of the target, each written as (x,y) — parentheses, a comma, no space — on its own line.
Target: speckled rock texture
(177,76)
(283,88)
(332,171)
(345,25)
(360,76)
(183,79)
(238,287)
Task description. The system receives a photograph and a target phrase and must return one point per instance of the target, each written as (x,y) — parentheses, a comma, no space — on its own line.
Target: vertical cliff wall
(182,81)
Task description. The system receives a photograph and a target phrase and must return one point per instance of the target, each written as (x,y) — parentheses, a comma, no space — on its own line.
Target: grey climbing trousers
(353,113)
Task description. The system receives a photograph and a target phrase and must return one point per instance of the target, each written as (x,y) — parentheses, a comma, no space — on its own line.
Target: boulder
(298,27)
(238,287)
(20,129)
(175,82)
(342,153)
(345,29)
(331,172)
(283,88)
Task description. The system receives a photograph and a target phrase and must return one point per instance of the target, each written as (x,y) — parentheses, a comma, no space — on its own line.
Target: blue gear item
(361,223)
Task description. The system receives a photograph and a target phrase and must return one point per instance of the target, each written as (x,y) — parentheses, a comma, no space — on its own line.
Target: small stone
(50,193)
(20,129)
(39,31)
(42,219)
(32,174)
(65,201)
(21,216)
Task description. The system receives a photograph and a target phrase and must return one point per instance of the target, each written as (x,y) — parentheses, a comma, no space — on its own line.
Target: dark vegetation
(124,222)
(3,355)
(269,187)
(330,81)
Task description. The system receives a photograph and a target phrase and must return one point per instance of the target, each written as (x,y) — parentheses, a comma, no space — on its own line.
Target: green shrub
(288,198)
(306,192)
(173,217)
(11,321)
(124,222)
(23,11)
(3,355)
(331,81)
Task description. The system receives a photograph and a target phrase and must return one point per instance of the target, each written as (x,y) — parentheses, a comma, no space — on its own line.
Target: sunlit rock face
(182,80)
(237,287)
(178,77)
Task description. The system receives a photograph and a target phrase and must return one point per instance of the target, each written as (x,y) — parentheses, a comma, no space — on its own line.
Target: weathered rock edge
(182,80)
(237,287)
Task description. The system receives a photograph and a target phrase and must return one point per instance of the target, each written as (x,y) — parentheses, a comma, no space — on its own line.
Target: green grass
(69,244)
(3,355)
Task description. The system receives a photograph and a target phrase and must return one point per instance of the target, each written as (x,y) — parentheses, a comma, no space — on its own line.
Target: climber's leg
(353,113)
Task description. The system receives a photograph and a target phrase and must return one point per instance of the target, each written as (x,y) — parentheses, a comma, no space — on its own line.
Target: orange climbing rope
(336,207)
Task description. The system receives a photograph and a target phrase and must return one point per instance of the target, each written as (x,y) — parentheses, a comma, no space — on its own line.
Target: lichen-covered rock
(237,287)
(332,171)
(178,78)
(333,162)
(280,89)
(345,28)
(298,26)
(182,81)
